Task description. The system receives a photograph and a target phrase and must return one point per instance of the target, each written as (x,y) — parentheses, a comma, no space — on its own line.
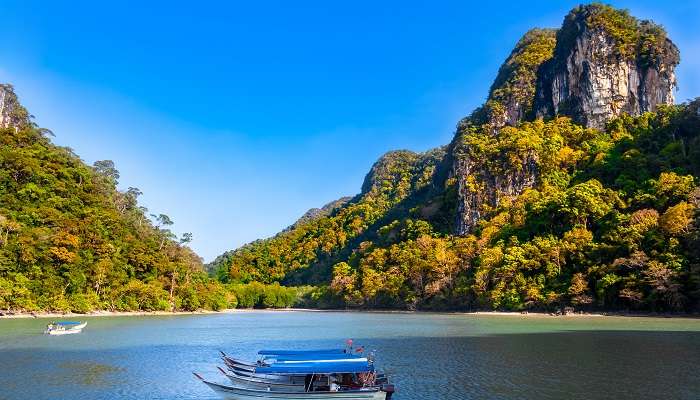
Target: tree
(107,169)
(677,219)
(186,238)
(162,220)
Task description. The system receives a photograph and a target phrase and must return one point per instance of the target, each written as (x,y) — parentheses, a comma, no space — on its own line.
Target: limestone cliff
(512,94)
(606,63)
(603,63)
(480,182)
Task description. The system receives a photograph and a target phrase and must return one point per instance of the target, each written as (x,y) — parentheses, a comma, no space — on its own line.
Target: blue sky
(234,118)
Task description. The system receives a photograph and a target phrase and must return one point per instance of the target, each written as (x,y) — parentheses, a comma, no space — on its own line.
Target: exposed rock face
(602,64)
(511,100)
(11,111)
(479,188)
(601,70)
(512,93)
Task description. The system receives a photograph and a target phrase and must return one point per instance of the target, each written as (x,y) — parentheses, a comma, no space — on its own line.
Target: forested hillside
(70,241)
(302,253)
(576,184)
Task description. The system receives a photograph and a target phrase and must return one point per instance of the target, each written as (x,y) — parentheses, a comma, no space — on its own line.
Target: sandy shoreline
(7,315)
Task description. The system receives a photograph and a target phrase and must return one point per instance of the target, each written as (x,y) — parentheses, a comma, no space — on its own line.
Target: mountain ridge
(563,101)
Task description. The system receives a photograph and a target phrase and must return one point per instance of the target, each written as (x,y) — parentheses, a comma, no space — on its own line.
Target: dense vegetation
(70,241)
(302,254)
(610,221)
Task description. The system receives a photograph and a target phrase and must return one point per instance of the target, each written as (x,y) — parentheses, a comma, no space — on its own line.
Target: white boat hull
(263,385)
(69,331)
(66,332)
(268,377)
(238,393)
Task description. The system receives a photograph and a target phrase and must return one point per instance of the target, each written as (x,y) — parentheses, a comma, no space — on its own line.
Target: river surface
(427,356)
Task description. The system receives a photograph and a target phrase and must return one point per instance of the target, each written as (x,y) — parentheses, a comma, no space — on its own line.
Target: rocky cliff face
(512,94)
(606,63)
(600,64)
(510,101)
(11,111)
(480,187)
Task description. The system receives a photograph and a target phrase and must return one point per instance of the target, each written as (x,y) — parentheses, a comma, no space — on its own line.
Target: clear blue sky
(234,118)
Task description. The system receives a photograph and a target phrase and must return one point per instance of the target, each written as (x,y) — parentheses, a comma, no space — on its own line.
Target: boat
(64,327)
(238,393)
(296,379)
(264,384)
(324,380)
(240,371)
(282,383)
(275,352)
(238,365)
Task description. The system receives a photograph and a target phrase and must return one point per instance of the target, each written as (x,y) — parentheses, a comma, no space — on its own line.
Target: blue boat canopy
(293,352)
(316,368)
(313,356)
(67,323)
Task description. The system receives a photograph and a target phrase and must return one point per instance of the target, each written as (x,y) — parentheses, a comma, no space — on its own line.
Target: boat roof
(342,360)
(312,357)
(334,367)
(67,322)
(291,352)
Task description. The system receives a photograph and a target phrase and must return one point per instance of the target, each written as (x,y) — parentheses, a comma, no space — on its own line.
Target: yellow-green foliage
(514,86)
(70,241)
(392,179)
(611,223)
(515,82)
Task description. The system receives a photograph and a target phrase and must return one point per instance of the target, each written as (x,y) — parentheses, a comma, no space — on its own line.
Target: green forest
(610,221)
(70,241)
(611,224)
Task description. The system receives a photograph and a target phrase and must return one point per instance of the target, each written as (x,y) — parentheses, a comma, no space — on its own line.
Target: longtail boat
(240,370)
(330,377)
(238,393)
(245,369)
(65,327)
(280,382)
(264,384)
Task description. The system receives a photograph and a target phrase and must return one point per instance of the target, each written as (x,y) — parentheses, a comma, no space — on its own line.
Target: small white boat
(65,327)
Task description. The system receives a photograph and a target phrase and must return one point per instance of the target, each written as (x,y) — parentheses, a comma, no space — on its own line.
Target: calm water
(428,356)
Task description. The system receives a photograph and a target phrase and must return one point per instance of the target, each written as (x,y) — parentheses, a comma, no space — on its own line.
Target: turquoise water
(427,356)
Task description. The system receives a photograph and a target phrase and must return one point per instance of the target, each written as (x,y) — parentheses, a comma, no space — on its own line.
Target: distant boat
(65,327)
